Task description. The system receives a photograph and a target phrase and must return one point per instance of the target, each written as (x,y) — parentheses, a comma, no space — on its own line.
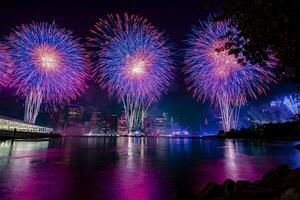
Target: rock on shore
(281,183)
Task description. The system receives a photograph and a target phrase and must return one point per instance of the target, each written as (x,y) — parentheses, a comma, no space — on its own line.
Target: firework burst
(214,74)
(292,102)
(49,66)
(4,65)
(133,61)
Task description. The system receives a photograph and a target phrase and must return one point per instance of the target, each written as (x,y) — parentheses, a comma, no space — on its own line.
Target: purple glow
(214,74)
(133,59)
(292,102)
(133,62)
(281,109)
(132,168)
(48,59)
(5,65)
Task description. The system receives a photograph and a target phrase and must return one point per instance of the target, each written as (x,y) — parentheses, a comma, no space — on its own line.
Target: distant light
(185,132)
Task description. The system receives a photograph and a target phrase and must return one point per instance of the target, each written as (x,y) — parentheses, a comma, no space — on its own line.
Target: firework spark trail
(292,102)
(49,66)
(274,112)
(212,73)
(5,65)
(133,62)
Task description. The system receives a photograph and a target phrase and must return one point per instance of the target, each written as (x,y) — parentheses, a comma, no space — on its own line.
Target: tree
(265,25)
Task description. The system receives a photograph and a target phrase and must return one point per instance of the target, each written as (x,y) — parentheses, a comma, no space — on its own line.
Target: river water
(131,168)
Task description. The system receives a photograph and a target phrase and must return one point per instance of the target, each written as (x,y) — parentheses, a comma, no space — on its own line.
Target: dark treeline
(288,130)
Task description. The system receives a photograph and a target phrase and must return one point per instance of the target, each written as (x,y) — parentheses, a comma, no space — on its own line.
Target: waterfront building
(9,124)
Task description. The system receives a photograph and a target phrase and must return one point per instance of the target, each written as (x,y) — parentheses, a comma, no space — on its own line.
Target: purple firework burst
(213,73)
(133,59)
(5,65)
(47,59)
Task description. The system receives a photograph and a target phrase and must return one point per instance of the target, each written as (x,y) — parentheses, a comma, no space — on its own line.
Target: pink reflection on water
(29,176)
(237,165)
(131,168)
(132,177)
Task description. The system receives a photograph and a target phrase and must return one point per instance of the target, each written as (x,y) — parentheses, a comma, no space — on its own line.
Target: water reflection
(239,165)
(16,161)
(247,160)
(131,168)
(231,157)
(132,175)
(18,149)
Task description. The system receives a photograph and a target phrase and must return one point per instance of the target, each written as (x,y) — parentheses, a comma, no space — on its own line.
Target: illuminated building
(8,124)
(162,123)
(57,119)
(112,123)
(122,126)
(96,119)
(75,115)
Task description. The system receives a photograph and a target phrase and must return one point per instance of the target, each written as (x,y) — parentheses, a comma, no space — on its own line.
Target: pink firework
(5,65)
(132,57)
(49,66)
(213,73)
(132,61)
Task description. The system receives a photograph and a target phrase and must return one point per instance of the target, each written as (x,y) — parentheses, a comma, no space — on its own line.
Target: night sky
(175,19)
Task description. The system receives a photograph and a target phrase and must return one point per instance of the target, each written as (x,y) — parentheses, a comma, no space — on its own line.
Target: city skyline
(149,100)
(177,99)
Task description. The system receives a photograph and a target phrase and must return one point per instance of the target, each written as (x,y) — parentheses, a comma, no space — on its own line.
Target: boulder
(265,195)
(212,190)
(281,183)
(290,194)
(229,186)
(275,177)
(243,185)
(242,196)
(292,179)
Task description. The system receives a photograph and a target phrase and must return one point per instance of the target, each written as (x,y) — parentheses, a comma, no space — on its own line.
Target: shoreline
(169,137)
(280,183)
(192,137)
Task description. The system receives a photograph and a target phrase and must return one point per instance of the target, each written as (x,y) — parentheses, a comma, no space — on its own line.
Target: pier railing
(4,134)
